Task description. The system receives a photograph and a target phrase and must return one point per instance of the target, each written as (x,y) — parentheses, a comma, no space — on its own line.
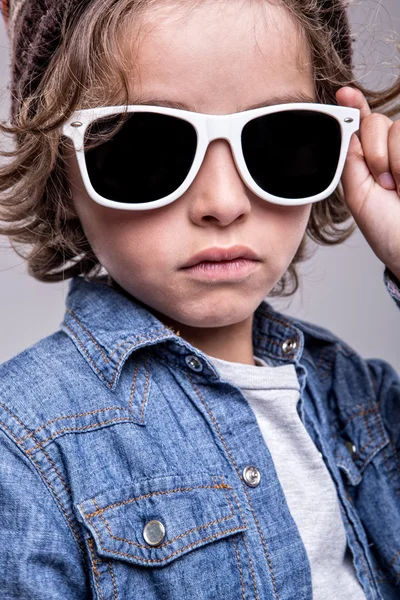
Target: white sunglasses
(140,157)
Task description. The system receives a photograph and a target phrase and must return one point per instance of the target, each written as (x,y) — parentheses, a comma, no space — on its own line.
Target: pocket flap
(194,509)
(359,442)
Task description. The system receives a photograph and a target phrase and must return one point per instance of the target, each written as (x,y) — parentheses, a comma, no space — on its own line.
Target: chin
(221,315)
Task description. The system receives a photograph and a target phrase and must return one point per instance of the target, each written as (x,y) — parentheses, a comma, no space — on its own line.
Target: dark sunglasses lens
(138,157)
(293,153)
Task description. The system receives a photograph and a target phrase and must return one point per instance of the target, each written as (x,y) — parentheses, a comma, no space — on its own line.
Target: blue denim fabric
(114,421)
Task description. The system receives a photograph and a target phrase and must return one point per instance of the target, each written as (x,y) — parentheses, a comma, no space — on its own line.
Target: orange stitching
(229,502)
(367,426)
(329,364)
(358,453)
(111,572)
(37,445)
(96,572)
(145,389)
(56,470)
(371,439)
(238,507)
(139,558)
(321,357)
(237,502)
(50,486)
(101,510)
(382,431)
(89,334)
(360,414)
(285,324)
(133,386)
(86,427)
(113,580)
(240,568)
(14,417)
(181,535)
(269,340)
(385,458)
(244,542)
(251,566)
(109,383)
(127,341)
(90,412)
(245,491)
(394,558)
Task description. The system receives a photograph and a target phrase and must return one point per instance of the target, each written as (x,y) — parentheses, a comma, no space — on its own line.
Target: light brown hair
(35,200)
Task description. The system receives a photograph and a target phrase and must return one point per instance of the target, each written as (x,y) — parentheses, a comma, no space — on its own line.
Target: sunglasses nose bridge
(219,127)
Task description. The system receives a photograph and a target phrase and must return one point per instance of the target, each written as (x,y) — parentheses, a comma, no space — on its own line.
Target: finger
(374,136)
(356,174)
(348,96)
(353,98)
(394,152)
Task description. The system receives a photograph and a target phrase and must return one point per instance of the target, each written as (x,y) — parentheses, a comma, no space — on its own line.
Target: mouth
(219,257)
(226,271)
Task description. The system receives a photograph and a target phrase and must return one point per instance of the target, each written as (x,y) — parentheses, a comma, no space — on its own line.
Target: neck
(233,343)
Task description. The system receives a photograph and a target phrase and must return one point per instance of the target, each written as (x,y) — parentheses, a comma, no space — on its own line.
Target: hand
(371,178)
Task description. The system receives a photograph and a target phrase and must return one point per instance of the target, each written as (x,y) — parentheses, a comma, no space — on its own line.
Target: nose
(218,194)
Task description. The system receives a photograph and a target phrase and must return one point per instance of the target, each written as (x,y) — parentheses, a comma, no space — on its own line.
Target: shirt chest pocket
(168,537)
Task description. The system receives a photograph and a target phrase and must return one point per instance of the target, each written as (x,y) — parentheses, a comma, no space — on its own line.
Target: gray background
(341,287)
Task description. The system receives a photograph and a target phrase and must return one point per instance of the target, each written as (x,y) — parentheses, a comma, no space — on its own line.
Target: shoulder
(35,369)
(39,369)
(48,386)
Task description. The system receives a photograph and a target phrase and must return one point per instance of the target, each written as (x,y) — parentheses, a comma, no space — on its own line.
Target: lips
(216,254)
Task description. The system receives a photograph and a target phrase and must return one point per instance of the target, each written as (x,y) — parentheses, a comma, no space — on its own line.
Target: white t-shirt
(273,393)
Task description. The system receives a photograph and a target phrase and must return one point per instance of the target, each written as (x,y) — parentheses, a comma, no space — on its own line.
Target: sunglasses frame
(208,128)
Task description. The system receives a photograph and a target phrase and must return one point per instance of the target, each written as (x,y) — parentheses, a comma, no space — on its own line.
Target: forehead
(216,56)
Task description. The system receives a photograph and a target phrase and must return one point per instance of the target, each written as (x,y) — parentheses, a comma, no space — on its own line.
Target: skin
(371,179)
(218,65)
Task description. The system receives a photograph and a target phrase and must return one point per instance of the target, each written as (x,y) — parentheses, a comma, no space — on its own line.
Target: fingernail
(386,180)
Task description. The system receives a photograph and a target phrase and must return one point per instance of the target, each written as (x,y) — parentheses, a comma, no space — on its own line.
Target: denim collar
(107,326)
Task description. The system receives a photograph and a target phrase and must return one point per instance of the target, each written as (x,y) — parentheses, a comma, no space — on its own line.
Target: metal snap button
(351,447)
(289,345)
(193,362)
(251,475)
(154,532)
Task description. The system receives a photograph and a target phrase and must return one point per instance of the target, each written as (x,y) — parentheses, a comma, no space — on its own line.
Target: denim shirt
(123,451)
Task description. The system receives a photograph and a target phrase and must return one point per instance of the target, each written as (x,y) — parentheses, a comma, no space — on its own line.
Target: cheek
(286,225)
(142,241)
(288,230)
(296,222)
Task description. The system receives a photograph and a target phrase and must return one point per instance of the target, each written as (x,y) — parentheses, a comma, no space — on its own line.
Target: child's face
(219,58)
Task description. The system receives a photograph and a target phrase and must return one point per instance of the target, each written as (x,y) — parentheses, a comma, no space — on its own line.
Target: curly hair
(35,200)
